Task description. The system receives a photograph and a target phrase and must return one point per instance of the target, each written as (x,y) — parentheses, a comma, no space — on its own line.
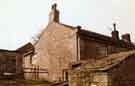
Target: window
(65,75)
(93,84)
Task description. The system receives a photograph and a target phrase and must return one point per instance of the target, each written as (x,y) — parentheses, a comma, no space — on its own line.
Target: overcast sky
(20,20)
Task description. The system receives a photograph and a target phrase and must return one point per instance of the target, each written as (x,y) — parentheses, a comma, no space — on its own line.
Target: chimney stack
(115,33)
(54,14)
(79,27)
(126,37)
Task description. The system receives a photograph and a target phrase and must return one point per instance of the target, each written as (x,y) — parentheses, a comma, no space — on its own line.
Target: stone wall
(56,49)
(87,78)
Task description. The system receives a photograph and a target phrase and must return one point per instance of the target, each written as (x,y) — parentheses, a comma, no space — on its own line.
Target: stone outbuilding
(10,64)
(113,70)
(27,50)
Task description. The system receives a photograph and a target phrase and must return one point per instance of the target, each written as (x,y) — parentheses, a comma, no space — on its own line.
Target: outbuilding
(113,70)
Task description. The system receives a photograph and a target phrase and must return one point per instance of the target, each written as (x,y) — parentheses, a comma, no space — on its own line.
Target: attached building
(113,70)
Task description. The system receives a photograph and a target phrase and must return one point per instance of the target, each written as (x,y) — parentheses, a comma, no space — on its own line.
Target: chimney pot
(115,33)
(79,27)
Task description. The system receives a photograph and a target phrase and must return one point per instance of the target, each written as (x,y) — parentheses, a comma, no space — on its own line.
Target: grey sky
(22,19)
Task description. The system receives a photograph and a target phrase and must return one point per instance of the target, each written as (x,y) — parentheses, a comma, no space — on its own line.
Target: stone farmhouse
(79,57)
(63,49)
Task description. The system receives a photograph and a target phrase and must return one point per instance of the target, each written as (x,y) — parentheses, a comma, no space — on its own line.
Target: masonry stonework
(56,49)
(114,70)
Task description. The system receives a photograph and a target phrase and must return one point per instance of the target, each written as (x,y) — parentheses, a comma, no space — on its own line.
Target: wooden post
(34,72)
(38,73)
(19,68)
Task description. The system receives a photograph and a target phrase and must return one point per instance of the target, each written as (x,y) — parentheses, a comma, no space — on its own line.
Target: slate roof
(108,39)
(105,38)
(107,62)
(26,49)
(98,36)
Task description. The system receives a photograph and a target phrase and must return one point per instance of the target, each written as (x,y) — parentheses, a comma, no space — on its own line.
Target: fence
(35,72)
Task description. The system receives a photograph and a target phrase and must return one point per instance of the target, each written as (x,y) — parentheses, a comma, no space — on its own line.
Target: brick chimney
(126,37)
(115,33)
(54,14)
